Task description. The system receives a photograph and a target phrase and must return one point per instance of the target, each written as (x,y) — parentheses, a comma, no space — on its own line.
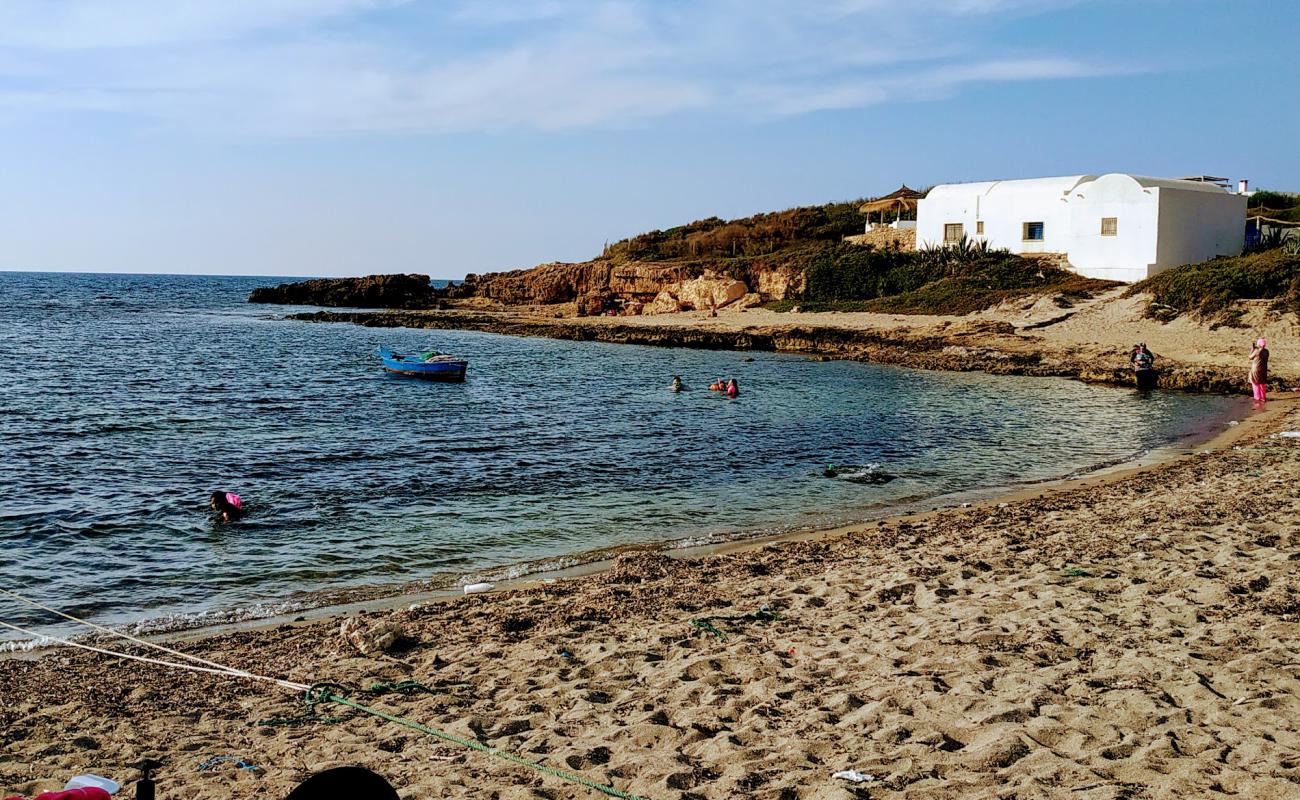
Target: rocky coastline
(371,291)
(977,345)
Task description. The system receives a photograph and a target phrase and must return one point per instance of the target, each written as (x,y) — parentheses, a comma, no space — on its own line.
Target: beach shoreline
(943,587)
(311,606)
(1088,344)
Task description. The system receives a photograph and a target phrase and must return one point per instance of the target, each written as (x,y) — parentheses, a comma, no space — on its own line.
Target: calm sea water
(124,400)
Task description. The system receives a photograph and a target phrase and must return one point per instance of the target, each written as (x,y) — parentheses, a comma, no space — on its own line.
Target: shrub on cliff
(761,234)
(985,282)
(853,272)
(1210,290)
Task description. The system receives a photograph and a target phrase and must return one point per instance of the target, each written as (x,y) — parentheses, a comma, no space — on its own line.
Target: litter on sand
(854,775)
(238,762)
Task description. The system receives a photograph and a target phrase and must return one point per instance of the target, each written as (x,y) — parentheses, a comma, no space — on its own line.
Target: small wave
(866,474)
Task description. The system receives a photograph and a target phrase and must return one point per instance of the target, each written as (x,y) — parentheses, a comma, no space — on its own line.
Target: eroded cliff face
(587,288)
(544,284)
(637,287)
(372,291)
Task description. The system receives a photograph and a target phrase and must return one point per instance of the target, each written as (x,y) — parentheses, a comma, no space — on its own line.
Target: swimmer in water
(228,505)
(830,471)
(717,385)
(732,388)
(676,385)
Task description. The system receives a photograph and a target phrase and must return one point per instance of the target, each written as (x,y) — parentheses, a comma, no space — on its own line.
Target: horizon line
(208,274)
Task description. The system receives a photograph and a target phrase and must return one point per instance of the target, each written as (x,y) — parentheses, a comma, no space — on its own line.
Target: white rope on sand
(229,672)
(112,632)
(323,693)
(201,665)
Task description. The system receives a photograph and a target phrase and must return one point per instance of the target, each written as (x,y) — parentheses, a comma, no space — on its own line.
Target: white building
(1119,227)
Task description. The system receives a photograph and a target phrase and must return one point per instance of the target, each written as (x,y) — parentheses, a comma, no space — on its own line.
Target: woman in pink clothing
(1259,370)
(228,505)
(732,388)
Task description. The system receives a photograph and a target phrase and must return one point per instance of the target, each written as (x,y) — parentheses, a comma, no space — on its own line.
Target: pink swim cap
(234,500)
(1261,342)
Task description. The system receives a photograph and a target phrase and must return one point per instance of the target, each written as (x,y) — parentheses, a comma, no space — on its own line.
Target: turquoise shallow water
(125,399)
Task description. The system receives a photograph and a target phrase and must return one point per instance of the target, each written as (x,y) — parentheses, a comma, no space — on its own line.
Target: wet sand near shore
(1126,636)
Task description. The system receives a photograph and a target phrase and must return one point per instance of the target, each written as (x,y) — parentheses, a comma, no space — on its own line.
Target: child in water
(228,505)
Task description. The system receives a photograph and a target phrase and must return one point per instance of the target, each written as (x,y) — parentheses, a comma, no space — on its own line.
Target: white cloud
(319,67)
(92,24)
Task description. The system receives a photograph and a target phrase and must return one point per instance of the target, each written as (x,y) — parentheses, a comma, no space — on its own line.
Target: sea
(126,399)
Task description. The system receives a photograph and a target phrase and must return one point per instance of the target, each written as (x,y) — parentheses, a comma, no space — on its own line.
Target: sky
(349,137)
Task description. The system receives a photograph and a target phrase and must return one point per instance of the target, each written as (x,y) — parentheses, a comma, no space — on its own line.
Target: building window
(952,232)
(1033,232)
(1109,226)
(979,228)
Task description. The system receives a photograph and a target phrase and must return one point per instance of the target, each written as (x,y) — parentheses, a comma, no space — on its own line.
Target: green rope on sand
(311,714)
(705,624)
(329,693)
(400,687)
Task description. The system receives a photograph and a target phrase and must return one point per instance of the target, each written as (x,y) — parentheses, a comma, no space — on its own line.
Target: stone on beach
(367,638)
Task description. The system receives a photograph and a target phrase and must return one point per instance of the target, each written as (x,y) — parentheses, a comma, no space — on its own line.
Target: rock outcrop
(636,287)
(372,291)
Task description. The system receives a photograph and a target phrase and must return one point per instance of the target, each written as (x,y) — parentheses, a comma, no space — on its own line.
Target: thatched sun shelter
(900,201)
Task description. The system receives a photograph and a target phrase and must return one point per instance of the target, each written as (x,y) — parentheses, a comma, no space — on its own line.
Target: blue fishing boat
(430,366)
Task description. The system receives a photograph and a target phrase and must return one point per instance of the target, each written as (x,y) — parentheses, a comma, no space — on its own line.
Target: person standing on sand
(1259,370)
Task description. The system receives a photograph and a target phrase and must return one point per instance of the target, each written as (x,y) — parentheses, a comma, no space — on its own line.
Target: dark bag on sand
(344,783)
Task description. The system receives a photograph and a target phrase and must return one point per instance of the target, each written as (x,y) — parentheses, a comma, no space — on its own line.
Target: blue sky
(344,137)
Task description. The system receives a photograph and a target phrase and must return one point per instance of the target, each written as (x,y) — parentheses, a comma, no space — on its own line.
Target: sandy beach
(555,400)
(1125,636)
(1088,341)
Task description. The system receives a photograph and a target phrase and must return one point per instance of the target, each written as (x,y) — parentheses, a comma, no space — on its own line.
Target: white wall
(1003,207)
(1128,254)
(1160,223)
(1004,216)
(947,204)
(1197,226)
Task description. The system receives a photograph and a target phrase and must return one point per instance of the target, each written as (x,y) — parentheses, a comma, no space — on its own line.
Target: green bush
(1210,290)
(1273,200)
(855,272)
(986,282)
(761,234)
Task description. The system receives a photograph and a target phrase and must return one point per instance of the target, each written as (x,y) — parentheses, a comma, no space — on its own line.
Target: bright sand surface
(1106,324)
(1126,636)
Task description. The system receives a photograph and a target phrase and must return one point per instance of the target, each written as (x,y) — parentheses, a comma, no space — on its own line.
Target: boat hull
(444,368)
(445,372)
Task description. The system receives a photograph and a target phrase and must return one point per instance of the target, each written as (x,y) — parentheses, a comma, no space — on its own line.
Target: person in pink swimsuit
(228,505)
